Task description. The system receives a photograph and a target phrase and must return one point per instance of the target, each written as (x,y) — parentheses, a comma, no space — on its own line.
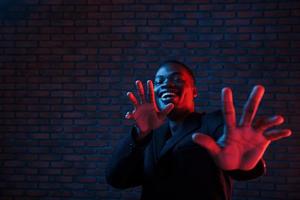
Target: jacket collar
(189,124)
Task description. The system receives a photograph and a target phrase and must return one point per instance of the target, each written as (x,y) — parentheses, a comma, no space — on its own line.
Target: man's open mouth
(168,95)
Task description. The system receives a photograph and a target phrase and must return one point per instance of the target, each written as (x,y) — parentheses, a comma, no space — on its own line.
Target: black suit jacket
(176,168)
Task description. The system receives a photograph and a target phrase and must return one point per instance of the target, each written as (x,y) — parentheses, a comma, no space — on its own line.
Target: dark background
(65,67)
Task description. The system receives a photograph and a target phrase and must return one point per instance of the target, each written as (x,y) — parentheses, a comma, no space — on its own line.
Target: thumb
(169,107)
(207,142)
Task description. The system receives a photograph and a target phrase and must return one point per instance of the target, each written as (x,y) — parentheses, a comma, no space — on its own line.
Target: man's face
(173,84)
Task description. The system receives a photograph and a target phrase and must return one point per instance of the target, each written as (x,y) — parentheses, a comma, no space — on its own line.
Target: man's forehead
(174,69)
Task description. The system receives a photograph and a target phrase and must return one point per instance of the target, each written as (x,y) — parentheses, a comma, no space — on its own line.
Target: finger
(266,123)
(251,105)
(277,134)
(169,107)
(133,99)
(141,91)
(129,115)
(207,142)
(228,107)
(151,94)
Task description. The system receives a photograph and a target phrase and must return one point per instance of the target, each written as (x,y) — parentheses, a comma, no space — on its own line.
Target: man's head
(175,83)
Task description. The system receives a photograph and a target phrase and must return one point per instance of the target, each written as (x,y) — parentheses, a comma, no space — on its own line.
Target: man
(174,152)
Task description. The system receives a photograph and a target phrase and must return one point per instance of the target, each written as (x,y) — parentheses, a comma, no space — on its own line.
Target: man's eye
(178,80)
(158,81)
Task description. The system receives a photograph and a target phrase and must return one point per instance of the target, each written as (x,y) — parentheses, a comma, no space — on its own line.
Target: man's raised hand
(242,145)
(146,114)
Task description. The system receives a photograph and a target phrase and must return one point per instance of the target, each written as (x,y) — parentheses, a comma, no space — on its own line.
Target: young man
(174,152)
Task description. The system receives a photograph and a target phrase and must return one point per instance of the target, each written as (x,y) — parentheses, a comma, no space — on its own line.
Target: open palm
(146,114)
(242,145)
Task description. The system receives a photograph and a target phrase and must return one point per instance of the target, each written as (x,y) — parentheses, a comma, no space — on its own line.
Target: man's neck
(177,115)
(176,121)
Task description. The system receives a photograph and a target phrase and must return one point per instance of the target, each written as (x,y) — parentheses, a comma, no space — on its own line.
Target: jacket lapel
(159,139)
(191,123)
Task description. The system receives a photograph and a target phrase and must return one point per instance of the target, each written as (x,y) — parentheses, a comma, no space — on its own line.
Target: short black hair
(189,71)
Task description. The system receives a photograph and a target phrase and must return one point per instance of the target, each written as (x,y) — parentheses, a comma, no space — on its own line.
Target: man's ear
(195,92)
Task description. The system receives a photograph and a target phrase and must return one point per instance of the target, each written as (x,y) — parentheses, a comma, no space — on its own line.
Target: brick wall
(65,67)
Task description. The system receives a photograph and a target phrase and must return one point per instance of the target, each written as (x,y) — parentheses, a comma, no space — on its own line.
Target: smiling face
(174,84)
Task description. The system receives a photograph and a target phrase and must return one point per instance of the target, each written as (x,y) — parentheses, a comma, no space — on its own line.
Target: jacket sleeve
(257,171)
(216,131)
(125,168)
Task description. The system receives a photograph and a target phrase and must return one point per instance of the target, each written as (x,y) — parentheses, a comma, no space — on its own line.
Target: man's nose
(168,82)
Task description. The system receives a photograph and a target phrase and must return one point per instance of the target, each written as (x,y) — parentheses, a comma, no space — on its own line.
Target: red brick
(249,14)
(237,22)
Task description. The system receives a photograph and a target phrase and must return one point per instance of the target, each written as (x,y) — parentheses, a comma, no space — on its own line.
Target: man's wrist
(140,135)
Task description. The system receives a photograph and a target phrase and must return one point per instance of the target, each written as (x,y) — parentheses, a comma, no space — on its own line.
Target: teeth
(168,94)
